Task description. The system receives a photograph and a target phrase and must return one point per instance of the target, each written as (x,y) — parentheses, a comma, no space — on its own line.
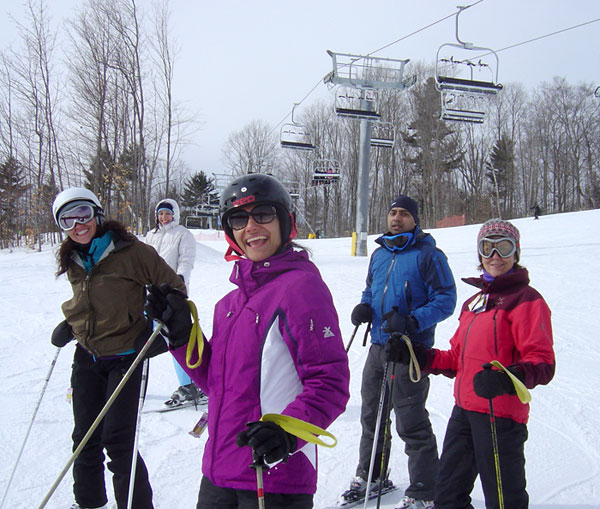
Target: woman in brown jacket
(108,269)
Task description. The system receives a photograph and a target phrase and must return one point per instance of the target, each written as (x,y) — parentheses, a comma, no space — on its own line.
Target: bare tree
(252,149)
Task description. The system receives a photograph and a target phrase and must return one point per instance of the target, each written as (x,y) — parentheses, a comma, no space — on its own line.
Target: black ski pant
(412,424)
(93,382)
(213,497)
(468,451)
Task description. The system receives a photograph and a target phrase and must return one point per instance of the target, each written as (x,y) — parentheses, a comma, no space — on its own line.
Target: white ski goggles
(80,214)
(504,246)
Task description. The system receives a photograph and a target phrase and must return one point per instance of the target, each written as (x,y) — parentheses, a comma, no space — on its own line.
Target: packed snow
(563,450)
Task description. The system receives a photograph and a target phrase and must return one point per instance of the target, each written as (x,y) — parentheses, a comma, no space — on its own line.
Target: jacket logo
(327,332)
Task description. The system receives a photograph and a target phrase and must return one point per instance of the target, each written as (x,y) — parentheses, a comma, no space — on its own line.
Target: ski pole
(376,436)
(366,336)
(352,338)
(495,449)
(386,437)
(37,406)
(102,413)
(258,464)
(134,455)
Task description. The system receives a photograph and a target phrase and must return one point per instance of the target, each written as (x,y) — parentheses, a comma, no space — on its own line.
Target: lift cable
(424,28)
(376,51)
(544,36)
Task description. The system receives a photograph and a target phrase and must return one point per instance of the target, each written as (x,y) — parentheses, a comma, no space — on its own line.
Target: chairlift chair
(295,135)
(325,171)
(383,134)
(356,103)
(479,80)
(597,92)
(460,107)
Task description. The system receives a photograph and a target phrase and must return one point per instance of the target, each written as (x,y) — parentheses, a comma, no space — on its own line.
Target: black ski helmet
(256,188)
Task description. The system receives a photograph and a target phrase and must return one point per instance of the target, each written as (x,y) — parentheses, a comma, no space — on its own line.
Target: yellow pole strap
(301,429)
(196,338)
(414,370)
(522,392)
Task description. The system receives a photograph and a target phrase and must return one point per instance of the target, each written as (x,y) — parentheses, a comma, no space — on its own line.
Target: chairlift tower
(358,79)
(464,83)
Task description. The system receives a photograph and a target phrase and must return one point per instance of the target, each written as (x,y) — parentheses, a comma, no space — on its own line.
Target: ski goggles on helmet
(397,242)
(504,246)
(81,214)
(261,214)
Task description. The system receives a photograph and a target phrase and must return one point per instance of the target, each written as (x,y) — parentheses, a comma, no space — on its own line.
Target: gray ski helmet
(257,188)
(79,195)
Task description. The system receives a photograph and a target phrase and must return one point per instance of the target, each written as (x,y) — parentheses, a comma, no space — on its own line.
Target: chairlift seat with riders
(325,171)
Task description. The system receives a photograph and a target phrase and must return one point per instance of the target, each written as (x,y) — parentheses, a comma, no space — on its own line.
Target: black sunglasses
(261,214)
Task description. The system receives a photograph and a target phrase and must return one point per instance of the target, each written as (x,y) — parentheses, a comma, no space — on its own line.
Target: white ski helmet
(76,194)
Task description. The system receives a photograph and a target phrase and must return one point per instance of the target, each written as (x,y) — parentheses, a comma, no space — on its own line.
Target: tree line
(536,147)
(97,109)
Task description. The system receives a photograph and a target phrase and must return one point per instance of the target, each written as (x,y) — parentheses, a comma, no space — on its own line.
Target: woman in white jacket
(177,246)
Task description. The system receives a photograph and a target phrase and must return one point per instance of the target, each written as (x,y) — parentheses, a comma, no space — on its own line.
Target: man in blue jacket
(409,289)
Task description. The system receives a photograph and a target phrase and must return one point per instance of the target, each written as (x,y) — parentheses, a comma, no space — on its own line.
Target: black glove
(489,383)
(62,334)
(170,307)
(361,313)
(396,350)
(397,322)
(267,439)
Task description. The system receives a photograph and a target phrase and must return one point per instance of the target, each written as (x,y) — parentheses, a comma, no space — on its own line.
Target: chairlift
(461,107)
(325,171)
(356,103)
(597,92)
(295,135)
(478,76)
(293,188)
(383,134)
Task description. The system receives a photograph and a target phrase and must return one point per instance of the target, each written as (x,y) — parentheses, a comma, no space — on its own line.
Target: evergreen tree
(12,188)
(500,171)
(434,151)
(197,190)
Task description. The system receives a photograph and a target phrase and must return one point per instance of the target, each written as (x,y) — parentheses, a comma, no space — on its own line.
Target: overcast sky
(253,59)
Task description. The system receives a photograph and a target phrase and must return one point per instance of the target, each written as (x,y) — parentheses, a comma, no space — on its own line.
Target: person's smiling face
(165,217)
(496,265)
(258,241)
(83,233)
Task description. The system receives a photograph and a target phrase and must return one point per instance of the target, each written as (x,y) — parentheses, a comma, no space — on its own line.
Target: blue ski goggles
(397,242)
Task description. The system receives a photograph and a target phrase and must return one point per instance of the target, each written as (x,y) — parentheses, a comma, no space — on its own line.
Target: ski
(355,503)
(170,408)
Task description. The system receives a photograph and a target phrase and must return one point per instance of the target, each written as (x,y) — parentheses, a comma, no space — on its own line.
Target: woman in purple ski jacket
(276,348)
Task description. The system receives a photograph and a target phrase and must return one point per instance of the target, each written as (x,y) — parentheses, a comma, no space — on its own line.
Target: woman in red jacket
(509,321)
